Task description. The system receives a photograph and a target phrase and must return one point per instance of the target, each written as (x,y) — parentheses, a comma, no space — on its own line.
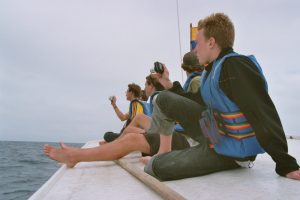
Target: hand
(294,175)
(114,100)
(164,78)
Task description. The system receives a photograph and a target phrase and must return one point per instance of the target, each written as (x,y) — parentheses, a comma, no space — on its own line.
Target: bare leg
(110,151)
(140,123)
(102,142)
(141,120)
(133,129)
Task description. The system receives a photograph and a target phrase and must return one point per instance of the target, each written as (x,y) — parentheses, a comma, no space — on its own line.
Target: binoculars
(158,68)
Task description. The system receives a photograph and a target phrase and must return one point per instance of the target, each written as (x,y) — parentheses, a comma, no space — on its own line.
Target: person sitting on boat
(193,71)
(148,144)
(136,106)
(238,119)
(141,122)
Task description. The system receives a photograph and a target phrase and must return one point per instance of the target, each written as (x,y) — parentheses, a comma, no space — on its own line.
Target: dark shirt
(242,83)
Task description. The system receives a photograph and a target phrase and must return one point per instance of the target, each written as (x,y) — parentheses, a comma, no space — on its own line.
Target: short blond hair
(220,27)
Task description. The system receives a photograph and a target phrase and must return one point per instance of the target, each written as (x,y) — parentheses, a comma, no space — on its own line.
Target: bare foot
(145,160)
(102,142)
(62,155)
(64,146)
(294,175)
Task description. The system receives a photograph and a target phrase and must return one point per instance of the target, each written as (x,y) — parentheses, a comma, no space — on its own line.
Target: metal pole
(179,38)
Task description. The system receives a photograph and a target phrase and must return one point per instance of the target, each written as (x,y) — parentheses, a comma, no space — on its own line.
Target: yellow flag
(193,35)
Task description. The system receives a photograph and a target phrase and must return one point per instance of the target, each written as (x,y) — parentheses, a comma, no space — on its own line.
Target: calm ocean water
(24,168)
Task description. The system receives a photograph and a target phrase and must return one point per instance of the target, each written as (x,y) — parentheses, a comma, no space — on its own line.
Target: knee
(163,98)
(136,120)
(130,139)
(138,116)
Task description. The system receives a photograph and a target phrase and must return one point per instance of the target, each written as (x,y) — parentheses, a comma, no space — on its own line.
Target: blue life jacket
(146,108)
(223,122)
(178,127)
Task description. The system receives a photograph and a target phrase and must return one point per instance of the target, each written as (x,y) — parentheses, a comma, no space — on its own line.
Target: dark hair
(191,69)
(135,89)
(191,63)
(220,27)
(153,80)
(143,95)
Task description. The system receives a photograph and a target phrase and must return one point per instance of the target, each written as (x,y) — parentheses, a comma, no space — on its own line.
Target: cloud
(59,61)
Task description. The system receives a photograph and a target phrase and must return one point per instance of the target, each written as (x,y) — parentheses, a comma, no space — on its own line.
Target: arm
(241,82)
(164,78)
(175,87)
(120,115)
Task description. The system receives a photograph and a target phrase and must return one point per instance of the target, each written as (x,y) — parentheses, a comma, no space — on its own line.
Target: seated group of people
(221,118)
(134,135)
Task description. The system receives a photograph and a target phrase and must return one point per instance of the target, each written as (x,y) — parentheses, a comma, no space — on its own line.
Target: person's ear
(211,42)
(151,86)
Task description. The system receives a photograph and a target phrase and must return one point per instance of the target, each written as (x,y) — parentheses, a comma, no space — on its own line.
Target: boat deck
(107,180)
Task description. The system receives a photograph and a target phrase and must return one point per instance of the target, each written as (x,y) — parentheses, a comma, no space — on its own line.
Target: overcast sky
(60,60)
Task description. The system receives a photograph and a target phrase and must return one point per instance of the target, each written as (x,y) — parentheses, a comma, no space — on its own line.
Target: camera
(158,68)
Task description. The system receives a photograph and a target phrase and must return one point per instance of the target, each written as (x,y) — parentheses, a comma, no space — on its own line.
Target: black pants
(194,161)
